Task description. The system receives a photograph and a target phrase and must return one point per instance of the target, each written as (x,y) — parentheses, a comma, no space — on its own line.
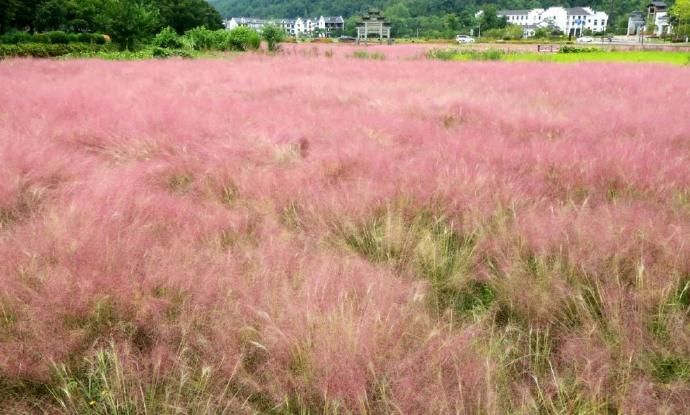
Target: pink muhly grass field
(297,233)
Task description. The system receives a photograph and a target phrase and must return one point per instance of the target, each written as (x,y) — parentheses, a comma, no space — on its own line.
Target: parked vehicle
(585,39)
(464,39)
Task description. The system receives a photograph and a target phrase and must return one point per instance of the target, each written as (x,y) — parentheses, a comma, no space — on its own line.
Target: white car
(585,39)
(464,39)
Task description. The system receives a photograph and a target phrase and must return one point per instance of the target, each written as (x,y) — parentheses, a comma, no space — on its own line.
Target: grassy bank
(579,55)
(675,58)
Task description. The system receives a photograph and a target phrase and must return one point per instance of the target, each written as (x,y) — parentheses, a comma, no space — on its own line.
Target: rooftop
(578,11)
(512,12)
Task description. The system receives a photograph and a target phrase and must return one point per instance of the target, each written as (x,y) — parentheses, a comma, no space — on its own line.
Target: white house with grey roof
(301,26)
(571,21)
(249,22)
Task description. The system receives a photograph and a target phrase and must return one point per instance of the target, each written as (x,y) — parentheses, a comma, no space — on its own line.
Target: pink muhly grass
(325,234)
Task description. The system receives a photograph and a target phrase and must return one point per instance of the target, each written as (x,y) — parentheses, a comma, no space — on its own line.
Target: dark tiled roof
(578,11)
(512,12)
(333,19)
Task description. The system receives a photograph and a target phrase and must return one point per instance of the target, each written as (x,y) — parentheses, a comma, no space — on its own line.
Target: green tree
(167,38)
(129,21)
(25,15)
(273,35)
(489,18)
(681,12)
(183,15)
(8,9)
(52,15)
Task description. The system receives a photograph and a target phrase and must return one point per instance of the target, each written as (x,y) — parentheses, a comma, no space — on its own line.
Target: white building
(657,15)
(249,22)
(331,25)
(570,21)
(288,25)
(326,25)
(635,23)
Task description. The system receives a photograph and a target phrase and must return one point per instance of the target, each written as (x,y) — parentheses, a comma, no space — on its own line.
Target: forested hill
(463,10)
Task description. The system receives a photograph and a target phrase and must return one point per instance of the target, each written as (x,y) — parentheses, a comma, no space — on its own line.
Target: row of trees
(127,21)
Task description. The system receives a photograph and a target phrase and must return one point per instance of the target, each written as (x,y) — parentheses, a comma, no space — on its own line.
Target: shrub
(163,53)
(244,38)
(58,37)
(40,38)
(576,49)
(84,37)
(472,55)
(167,38)
(99,39)
(512,32)
(541,33)
(42,50)
(200,38)
(273,35)
(221,40)
(14,38)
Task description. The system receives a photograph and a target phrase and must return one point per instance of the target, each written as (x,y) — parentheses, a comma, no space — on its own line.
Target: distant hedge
(46,50)
(56,37)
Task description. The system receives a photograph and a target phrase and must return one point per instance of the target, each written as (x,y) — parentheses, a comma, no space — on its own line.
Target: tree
(129,21)
(52,15)
(25,15)
(8,9)
(183,15)
(681,11)
(489,18)
(273,35)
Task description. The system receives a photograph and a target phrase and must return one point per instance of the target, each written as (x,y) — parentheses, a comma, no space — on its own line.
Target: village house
(323,26)
(571,21)
(657,18)
(635,23)
(249,22)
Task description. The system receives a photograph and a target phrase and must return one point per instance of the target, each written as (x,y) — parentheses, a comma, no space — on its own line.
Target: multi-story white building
(327,26)
(288,25)
(571,21)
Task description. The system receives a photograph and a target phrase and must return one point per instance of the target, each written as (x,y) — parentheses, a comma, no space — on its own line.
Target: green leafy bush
(42,50)
(14,38)
(576,49)
(200,38)
(167,38)
(164,53)
(273,35)
(98,39)
(40,38)
(222,40)
(58,37)
(244,38)
(465,54)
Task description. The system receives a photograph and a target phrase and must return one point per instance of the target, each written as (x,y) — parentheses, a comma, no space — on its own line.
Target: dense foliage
(43,50)
(99,15)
